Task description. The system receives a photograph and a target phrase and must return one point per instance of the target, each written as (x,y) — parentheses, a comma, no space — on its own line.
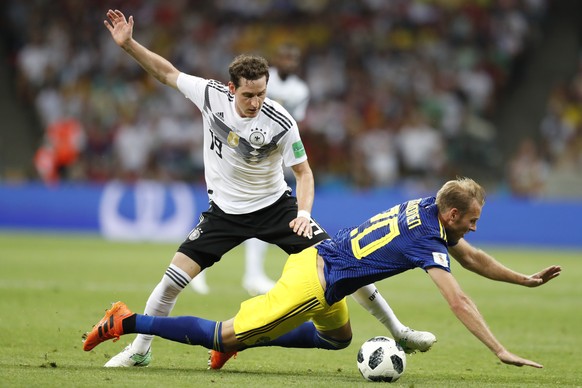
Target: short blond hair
(460,193)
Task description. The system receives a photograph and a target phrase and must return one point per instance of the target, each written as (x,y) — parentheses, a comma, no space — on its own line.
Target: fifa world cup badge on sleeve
(440,258)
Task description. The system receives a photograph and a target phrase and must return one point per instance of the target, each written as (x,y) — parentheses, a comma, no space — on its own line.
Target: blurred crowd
(549,163)
(401,90)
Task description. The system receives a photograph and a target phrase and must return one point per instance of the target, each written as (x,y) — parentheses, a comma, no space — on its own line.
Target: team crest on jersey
(233,139)
(257,137)
(194,234)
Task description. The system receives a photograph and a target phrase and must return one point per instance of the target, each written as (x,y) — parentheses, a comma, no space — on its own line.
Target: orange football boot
(110,326)
(218,359)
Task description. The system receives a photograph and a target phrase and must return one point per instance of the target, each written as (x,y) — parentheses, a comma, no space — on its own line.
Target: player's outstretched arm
(121,30)
(485,265)
(466,311)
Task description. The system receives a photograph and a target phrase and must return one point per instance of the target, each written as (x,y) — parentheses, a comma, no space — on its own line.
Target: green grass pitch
(53,288)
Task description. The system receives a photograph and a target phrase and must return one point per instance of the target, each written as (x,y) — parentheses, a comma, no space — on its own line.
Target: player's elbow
(468,264)
(167,77)
(459,303)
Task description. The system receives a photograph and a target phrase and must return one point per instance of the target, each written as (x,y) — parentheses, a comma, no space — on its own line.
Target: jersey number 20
(387,220)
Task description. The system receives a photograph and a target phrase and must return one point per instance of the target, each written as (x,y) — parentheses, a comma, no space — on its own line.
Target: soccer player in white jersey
(289,90)
(247,138)
(292,92)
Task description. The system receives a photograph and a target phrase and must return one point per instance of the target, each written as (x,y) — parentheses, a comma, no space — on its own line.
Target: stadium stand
(402,91)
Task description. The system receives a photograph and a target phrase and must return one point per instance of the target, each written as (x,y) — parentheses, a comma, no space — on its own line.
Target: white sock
(255,250)
(369,298)
(161,302)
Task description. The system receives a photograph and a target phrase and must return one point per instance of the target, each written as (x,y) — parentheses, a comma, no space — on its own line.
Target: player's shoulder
(421,215)
(429,212)
(276,113)
(432,226)
(189,81)
(274,106)
(425,205)
(217,86)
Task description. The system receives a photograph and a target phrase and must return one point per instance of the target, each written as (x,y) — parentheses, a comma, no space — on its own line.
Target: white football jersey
(243,156)
(292,93)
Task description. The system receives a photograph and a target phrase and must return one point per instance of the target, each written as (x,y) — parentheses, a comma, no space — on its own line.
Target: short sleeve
(430,252)
(193,88)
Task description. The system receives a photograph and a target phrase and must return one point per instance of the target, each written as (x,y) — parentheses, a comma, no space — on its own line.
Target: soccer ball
(381,359)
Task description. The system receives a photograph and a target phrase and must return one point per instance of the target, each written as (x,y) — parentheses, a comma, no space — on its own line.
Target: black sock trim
(129,324)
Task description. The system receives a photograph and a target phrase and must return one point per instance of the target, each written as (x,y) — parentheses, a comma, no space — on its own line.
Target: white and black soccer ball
(381,359)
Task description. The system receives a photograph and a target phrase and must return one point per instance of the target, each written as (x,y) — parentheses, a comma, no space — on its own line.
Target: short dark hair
(460,193)
(248,66)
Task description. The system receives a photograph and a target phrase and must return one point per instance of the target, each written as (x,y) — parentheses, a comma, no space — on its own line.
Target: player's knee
(344,344)
(333,343)
(173,281)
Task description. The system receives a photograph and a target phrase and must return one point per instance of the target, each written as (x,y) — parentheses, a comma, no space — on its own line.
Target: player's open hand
(302,226)
(120,28)
(543,276)
(511,359)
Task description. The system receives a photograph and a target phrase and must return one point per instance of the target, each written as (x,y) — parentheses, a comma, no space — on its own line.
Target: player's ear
(231,87)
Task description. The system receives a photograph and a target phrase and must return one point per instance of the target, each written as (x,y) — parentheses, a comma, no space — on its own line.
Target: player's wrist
(304,213)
